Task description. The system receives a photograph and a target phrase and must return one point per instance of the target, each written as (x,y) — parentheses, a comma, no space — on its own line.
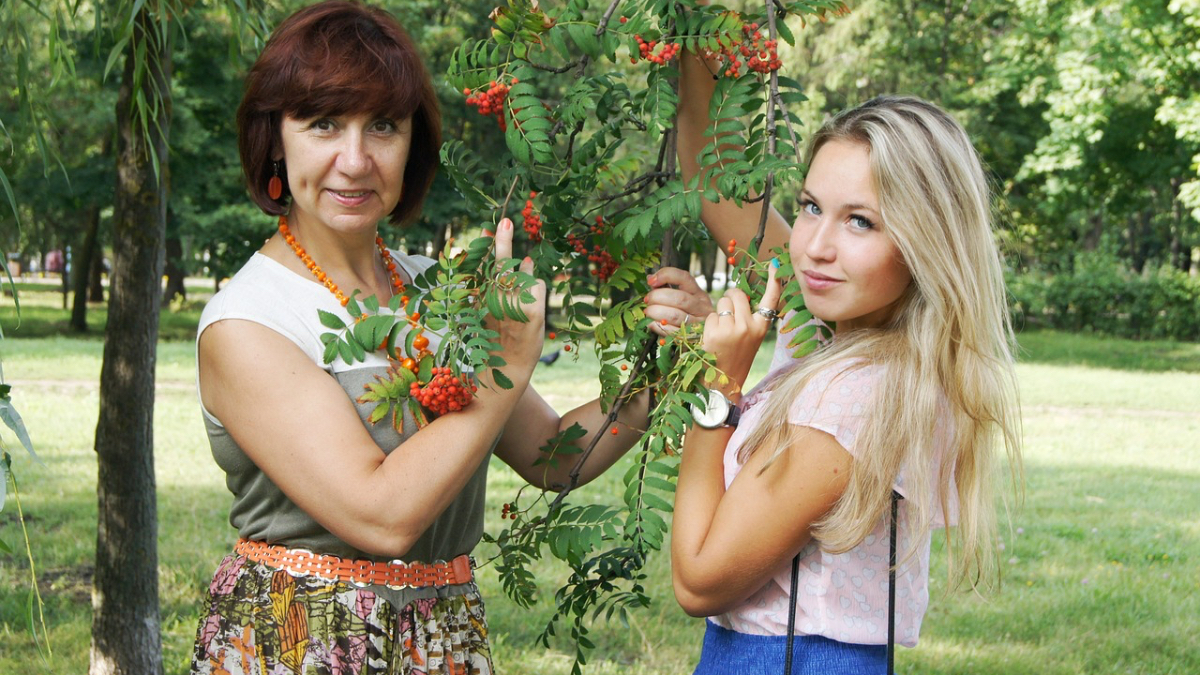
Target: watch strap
(734,416)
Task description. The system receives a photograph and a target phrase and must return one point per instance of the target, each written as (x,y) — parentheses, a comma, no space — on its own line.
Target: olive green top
(268,293)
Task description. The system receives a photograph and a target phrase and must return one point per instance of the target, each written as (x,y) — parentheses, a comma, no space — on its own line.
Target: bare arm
(725,544)
(297,424)
(534,423)
(724,219)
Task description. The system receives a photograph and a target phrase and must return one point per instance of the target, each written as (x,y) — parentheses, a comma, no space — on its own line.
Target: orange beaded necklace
(397,282)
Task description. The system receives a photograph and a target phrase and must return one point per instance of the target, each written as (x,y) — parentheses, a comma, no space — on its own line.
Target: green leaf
(807,334)
(345,351)
(330,320)
(584,36)
(12,419)
(785,32)
(12,201)
(501,379)
(660,484)
(657,502)
(380,412)
(517,145)
(803,349)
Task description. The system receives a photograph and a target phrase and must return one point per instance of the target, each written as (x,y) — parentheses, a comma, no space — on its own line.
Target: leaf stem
(622,398)
(507,197)
(32,572)
(771,132)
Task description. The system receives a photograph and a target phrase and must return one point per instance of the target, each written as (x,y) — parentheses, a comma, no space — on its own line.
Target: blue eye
(810,207)
(861,223)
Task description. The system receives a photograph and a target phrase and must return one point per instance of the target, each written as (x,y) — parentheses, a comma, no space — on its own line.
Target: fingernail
(488,233)
(775,263)
(505,224)
(528,260)
(652,279)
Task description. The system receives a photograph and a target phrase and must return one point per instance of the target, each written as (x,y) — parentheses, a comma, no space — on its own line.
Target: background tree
(125,635)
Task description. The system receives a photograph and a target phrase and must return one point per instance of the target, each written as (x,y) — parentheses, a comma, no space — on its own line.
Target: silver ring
(767,313)
(725,313)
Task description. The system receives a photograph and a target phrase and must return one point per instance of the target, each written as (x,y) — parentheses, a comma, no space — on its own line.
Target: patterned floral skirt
(265,621)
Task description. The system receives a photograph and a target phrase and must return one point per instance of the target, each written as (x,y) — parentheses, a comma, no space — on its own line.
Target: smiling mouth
(350,194)
(816,276)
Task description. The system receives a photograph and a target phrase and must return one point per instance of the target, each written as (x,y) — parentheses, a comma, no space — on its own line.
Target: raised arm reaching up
(725,219)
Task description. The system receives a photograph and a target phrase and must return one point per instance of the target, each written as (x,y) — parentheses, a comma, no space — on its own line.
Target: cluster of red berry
(533,221)
(731,249)
(444,393)
(761,55)
(508,511)
(604,264)
(646,49)
(490,101)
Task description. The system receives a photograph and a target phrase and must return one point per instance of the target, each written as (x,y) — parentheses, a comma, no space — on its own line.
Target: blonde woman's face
(849,270)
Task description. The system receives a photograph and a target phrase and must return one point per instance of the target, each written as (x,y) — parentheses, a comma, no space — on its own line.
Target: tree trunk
(66,276)
(708,263)
(439,238)
(1181,256)
(1091,238)
(85,260)
(125,621)
(1139,230)
(96,285)
(175,271)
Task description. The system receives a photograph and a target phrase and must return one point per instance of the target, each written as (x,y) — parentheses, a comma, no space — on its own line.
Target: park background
(1088,117)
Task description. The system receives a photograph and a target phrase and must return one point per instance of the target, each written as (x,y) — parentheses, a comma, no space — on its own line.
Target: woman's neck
(350,259)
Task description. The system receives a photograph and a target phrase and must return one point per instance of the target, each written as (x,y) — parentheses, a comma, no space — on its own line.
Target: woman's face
(345,172)
(849,270)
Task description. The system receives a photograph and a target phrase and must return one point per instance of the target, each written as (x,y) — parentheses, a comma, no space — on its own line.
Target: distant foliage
(1104,296)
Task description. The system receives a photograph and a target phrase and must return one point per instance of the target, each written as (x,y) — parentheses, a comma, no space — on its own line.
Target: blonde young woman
(915,395)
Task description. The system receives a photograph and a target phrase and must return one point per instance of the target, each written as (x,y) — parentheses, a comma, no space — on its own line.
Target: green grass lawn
(1101,566)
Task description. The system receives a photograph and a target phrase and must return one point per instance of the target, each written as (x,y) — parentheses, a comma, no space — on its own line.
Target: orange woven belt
(395,574)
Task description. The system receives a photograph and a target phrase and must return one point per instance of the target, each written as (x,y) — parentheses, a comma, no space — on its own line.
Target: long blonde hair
(947,388)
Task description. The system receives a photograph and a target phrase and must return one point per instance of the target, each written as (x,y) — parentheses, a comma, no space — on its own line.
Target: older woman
(354,537)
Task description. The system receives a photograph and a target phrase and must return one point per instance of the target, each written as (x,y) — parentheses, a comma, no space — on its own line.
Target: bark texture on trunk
(125,623)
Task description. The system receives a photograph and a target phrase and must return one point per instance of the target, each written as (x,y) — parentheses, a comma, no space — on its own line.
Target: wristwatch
(717,412)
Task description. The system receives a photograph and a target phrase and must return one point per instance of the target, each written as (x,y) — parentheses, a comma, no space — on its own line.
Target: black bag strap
(791,636)
(891,646)
(891,643)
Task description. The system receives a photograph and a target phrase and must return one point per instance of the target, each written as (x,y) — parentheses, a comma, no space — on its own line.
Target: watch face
(715,412)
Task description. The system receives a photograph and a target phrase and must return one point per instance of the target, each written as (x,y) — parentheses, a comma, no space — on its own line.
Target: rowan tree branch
(771,132)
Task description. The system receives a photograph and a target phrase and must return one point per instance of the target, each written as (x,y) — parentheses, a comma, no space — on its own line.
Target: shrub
(1102,295)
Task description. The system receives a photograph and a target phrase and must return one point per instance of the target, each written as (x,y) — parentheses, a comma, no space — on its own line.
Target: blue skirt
(728,652)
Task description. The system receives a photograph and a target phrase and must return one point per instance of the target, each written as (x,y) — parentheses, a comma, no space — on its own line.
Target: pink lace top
(844,596)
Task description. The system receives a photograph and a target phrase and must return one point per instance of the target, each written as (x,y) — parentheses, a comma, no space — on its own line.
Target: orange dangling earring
(275,185)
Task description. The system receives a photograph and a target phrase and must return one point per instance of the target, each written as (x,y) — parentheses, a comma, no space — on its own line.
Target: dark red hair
(337,58)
